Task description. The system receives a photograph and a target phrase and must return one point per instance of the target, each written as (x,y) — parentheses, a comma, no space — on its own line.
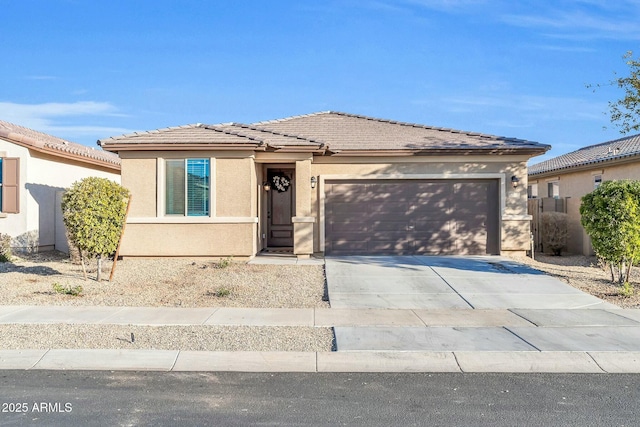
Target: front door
(280,205)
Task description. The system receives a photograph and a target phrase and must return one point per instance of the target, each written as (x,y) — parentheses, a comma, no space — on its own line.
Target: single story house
(328,182)
(575,174)
(35,168)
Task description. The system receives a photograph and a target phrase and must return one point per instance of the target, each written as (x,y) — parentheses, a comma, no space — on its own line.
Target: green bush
(68,290)
(5,248)
(611,217)
(94,212)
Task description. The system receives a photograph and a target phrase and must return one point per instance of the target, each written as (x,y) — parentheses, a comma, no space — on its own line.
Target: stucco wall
(233,227)
(41,176)
(230,230)
(515,226)
(576,184)
(188,240)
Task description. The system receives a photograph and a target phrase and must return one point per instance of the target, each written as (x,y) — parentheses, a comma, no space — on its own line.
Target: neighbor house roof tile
(57,146)
(617,149)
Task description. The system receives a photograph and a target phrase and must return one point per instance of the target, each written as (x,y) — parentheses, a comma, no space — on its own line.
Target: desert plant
(222,292)
(94,211)
(554,231)
(627,290)
(68,290)
(5,248)
(224,262)
(611,217)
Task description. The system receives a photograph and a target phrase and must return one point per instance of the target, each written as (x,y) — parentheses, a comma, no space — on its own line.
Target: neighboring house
(575,174)
(329,182)
(35,169)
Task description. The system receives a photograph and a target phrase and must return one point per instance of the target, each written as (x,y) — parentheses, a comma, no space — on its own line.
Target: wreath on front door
(281,183)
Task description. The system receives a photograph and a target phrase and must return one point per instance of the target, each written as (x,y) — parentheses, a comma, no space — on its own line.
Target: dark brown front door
(411,217)
(280,204)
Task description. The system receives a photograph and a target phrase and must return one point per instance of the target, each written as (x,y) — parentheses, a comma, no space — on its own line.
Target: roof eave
(589,165)
(439,152)
(117,147)
(40,147)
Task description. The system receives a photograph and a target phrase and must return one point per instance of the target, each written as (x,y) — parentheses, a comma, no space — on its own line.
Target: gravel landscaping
(30,280)
(201,338)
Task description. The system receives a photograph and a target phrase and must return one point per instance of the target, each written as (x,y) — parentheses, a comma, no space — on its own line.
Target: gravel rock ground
(29,280)
(201,338)
(584,273)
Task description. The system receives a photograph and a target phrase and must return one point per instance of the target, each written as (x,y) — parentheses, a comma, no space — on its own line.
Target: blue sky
(84,70)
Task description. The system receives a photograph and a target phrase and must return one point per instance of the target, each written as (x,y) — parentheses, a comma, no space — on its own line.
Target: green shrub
(68,290)
(611,217)
(224,262)
(627,290)
(5,248)
(219,293)
(94,212)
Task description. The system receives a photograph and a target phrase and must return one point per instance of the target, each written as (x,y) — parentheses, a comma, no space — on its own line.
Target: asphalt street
(85,398)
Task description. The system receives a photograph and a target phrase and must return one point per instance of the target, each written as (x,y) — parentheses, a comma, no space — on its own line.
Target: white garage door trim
(501,190)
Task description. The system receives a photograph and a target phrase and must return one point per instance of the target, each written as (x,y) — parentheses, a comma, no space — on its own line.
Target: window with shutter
(10,185)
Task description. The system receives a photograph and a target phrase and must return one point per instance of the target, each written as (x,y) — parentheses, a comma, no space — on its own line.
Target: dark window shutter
(10,185)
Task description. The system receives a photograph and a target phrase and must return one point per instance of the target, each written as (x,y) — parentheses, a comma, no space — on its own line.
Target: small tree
(94,213)
(611,217)
(554,231)
(625,111)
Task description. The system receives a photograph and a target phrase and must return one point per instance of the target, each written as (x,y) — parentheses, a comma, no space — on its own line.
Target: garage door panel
(432,247)
(390,247)
(410,216)
(347,227)
(389,226)
(348,247)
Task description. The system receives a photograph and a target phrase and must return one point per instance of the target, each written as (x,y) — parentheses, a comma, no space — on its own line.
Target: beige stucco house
(35,168)
(329,182)
(575,174)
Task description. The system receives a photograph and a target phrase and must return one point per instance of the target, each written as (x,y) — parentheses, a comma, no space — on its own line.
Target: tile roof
(617,149)
(57,146)
(192,134)
(332,131)
(343,131)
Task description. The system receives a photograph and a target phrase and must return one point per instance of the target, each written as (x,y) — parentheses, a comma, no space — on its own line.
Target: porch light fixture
(514,181)
(313,182)
(266,186)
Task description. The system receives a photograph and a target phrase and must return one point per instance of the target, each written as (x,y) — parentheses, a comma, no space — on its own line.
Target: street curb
(317,362)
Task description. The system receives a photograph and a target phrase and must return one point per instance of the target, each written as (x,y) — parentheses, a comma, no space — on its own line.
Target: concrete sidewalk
(485,340)
(389,314)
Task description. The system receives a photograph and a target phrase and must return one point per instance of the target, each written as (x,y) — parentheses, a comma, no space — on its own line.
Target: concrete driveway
(471,304)
(447,282)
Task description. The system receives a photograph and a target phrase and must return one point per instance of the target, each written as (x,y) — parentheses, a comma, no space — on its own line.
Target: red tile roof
(57,146)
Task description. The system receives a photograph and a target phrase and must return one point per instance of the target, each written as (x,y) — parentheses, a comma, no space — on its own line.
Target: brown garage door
(411,217)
